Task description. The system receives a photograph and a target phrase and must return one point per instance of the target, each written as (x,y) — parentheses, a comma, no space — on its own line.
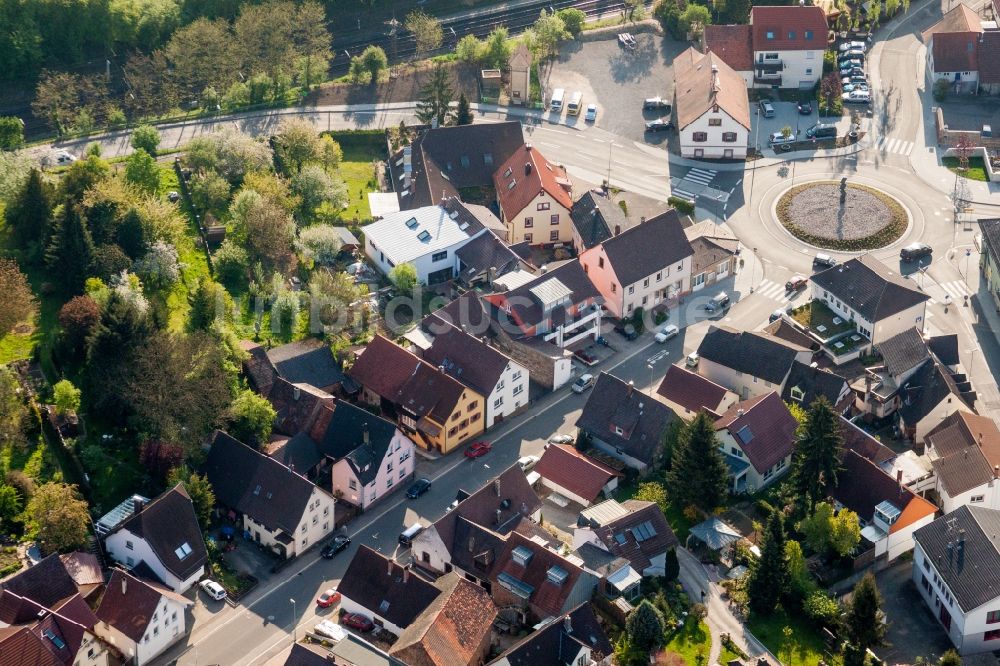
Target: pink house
(373,457)
(642,267)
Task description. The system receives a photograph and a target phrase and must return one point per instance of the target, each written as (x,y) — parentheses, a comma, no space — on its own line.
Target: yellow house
(535,198)
(436,411)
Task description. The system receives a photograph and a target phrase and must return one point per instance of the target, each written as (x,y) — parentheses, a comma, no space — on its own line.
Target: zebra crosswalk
(956,289)
(694,182)
(701,176)
(893,145)
(773,290)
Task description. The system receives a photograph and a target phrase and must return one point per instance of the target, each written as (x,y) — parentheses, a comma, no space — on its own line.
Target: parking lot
(786,114)
(617,80)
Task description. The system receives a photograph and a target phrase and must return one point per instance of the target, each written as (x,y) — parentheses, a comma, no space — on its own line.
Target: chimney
(138,504)
(527,168)
(527,147)
(444,197)
(980,441)
(388,567)
(642,218)
(996,471)
(631,387)
(124,584)
(296,393)
(406,574)
(739,411)
(899,478)
(498,516)
(496,487)
(961,539)
(618,229)
(568,624)
(364,434)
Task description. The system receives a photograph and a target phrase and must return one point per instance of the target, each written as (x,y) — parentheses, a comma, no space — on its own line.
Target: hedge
(681,205)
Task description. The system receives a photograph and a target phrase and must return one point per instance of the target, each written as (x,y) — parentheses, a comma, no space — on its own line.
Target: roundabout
(842,216)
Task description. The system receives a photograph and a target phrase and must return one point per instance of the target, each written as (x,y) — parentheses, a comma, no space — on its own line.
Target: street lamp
(753,269)
(650,366)
(294,639)
(972,356)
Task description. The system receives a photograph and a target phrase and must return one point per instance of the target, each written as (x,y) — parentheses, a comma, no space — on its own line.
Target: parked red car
(478,449)
(328,598)
(357,621)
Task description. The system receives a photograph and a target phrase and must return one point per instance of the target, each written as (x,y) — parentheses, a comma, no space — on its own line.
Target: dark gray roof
(644,249)
(758,354)
(300,452)
(306,362)
(166,524)
(867,285)
(385,588)
(814,382)
(527,308)
(945,347)
(595,218)
(642,419)
(973,576)
(925,390)
(47,583)
(991,237)
(903,351)
(475,548)
(467,359)
(344,437)
(553,644)
(257,485)
(447,159)
(484,252)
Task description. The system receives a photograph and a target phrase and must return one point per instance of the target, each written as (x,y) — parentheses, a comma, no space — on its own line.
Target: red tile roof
(401,377)
(547,598)
(128,604)
(703,81)
(771,429)
(619,535)
(955,51)
(788,25)
(690,390)
(732,43)
(989,57)
(564,466)
(531,174)
(452,630)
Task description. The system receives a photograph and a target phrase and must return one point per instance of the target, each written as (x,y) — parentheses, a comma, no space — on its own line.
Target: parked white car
(527,462)
(212,589)
(583,383)
(667,332)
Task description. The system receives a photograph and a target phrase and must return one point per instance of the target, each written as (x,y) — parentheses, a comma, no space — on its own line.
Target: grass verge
(976,170)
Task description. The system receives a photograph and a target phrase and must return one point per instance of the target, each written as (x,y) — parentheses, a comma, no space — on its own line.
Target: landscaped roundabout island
(839,215)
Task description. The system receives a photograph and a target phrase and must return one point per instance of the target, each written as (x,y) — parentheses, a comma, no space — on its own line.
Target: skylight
(644,531)
(424,236)
(557,575)
(620,538)
(58,642)
(745,434)
(182,550)
(412,223)
(383,607)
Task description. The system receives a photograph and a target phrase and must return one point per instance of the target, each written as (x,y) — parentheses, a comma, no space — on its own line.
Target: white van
(556,103)
(575,103)
(409,534)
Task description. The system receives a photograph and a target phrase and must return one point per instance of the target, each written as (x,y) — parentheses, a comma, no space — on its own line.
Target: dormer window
(521,555)
(619,431)
(557,575)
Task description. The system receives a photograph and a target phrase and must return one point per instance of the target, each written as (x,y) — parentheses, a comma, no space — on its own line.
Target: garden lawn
(360,179)
(805,647)
(976,170)
(193,261)
(692,639)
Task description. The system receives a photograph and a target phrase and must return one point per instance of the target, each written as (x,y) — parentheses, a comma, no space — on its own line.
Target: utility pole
(753,176)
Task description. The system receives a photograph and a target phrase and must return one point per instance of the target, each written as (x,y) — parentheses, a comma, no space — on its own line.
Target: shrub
(681,205)
(941,87)
(231,262)
(822,608)
(320,242)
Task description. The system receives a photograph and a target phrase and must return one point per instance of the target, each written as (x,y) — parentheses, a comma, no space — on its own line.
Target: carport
(714,533)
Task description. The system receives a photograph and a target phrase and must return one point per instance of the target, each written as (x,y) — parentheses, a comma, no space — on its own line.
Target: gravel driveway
(617,80)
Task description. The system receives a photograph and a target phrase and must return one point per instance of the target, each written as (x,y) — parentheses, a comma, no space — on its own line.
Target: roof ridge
(972,512)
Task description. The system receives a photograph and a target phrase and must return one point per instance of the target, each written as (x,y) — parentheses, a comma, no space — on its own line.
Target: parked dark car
(357,621)
(656,103)
(805,108)
(335,545)
(659,125)
(419,487)
(915,251)
(627,331)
